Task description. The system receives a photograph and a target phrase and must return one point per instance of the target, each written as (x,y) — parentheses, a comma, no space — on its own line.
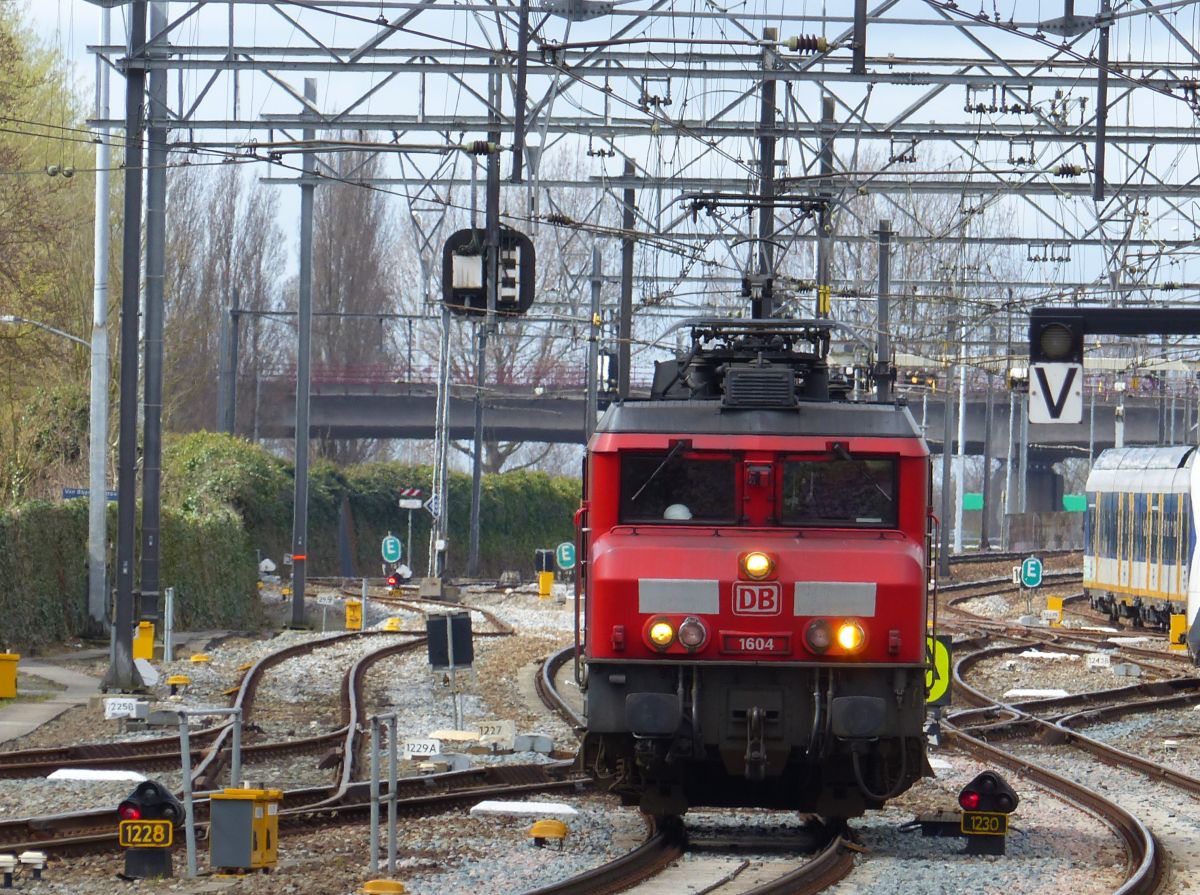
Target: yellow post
(545,583)
(354,615)
(8,675)
(143,641)
(1055,604)
(1178,635)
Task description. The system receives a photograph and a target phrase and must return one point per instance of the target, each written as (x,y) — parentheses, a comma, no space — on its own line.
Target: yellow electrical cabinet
(354,615)
(143,641)
(244,828)
(8,675)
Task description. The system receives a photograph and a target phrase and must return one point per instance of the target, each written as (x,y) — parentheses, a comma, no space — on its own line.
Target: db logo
(757,598)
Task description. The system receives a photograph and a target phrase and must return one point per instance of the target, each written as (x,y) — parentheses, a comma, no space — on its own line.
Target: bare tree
(221,236)
(353,279)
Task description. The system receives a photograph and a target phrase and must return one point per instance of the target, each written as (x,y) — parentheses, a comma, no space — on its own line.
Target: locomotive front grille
(752,386)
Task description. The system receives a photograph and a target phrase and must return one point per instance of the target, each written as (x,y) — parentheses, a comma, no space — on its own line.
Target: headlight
(818,636)
(757,565)
(692,633)
(850,636)
(661,634)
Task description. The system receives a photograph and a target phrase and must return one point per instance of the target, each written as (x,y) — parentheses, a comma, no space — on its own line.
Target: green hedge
(227,502)
(519,511)
(44,580)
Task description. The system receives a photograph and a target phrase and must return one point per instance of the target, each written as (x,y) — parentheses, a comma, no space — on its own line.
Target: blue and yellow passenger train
(1140,534)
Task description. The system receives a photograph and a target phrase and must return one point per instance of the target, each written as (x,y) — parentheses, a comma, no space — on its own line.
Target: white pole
(960,458)
(98,410)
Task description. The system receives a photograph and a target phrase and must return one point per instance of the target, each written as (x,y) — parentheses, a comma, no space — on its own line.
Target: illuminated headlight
(661,634)
(692,633)
(757,565)
(850,636)
(818,636)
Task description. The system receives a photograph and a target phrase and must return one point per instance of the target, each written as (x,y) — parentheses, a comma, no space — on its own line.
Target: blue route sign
(1031,572)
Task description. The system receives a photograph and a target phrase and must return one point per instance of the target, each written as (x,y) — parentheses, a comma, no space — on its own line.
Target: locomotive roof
(832,418)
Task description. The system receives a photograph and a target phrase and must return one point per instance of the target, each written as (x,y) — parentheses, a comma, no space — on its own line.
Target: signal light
(393,580)
(151,801)
(1055,337)
(757,565)
(129,811)
(988,792)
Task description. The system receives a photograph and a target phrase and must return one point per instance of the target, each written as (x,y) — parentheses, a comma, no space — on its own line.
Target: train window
(693,487)
(859,493)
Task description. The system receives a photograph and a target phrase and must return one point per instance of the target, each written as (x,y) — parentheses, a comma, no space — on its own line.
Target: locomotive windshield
(832,492)
(674,486)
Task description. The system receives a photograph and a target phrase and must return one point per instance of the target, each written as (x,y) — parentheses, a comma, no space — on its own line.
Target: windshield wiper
(675,449)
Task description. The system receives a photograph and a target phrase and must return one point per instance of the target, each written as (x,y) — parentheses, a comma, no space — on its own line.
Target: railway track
(977,730)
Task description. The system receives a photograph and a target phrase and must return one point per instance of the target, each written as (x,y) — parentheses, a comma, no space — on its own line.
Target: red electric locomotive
(755,556)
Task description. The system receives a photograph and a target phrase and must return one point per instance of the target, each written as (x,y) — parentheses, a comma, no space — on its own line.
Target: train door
(1154,522)
(1124,501)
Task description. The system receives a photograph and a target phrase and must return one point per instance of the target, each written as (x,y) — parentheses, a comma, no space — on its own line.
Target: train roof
(1143,470)
(829,418)
(1177,456)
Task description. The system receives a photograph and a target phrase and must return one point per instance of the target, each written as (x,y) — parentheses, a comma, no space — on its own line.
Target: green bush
(226,501)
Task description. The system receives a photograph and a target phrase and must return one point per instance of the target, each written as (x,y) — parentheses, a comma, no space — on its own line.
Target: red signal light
(393,580)
(968,799)
(129,811)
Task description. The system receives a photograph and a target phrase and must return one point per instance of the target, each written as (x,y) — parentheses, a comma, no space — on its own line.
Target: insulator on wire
(1069,170)
(808,43)
(479,147)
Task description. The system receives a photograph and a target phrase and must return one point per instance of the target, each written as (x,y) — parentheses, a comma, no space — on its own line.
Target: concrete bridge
(387,409)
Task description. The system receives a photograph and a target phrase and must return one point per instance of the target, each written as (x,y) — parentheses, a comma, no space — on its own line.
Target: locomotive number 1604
(759,644)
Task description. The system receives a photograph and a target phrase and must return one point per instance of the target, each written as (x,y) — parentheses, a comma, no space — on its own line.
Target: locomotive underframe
(829,739)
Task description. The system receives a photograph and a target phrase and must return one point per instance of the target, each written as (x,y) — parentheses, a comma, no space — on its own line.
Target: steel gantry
(710,154)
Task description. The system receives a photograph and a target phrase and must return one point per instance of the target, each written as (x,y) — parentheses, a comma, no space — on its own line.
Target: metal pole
(625,317)
(121,673)
(229,400)
(365,622)
(411,559)
(1119,421)
(943,564)
(373,863)
(189,809)
(1023,484)
(766,175)
(825,215)
(520,93)
(98,401)
(1092,430)
(156,222)
(392,805)
(235,760)
(960,458)
(858,59)
(984,527)
(593,371)
(1101,106)
(303,365)
(169,625)
(492,241)
(441,442)
(1008,467)
(883,348)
